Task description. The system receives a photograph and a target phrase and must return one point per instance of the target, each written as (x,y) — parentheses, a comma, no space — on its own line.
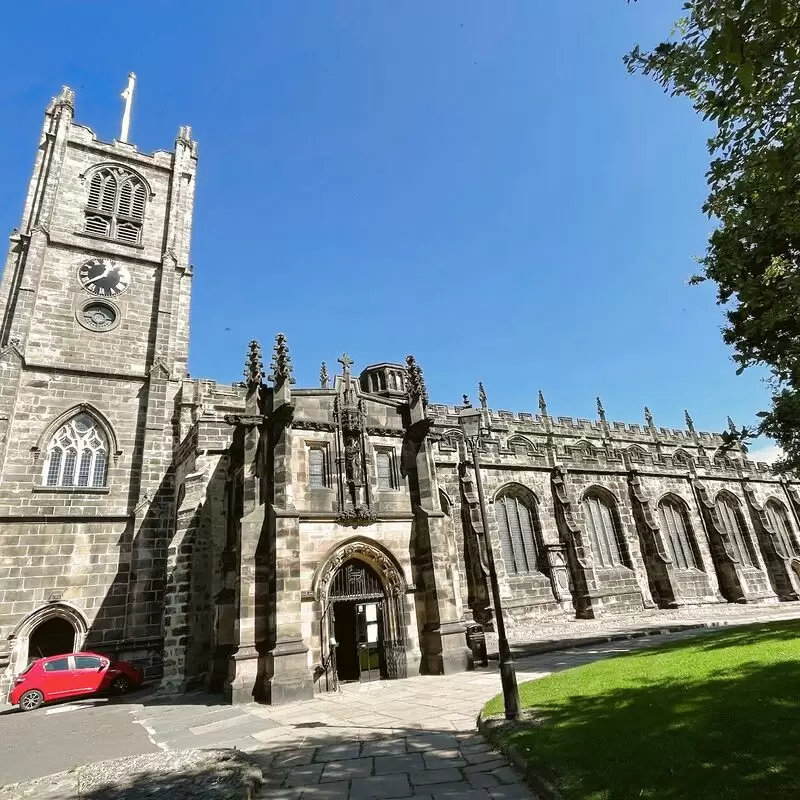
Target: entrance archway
(358,609)
(52,637)
(361,590)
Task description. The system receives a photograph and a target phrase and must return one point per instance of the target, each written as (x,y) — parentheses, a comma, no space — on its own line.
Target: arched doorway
(52,637)
(363,621)
(358,612)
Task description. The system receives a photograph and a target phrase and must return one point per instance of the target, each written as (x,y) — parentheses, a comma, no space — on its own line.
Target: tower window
(115,207)
(77,455)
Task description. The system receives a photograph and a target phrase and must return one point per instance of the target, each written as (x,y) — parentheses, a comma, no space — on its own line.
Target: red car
(73,675)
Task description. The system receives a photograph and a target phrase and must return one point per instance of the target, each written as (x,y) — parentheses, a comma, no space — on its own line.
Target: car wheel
(31,700)
(120,685)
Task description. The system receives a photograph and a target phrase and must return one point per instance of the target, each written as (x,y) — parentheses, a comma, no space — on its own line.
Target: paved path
(412,739)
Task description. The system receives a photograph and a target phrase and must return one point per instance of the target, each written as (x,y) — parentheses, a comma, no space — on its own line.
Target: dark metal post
(508,675)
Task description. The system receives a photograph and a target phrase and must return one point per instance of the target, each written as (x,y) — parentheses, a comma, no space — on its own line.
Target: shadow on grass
(732,734)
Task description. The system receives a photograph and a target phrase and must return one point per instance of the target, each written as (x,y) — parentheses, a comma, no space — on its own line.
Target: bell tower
(94,331)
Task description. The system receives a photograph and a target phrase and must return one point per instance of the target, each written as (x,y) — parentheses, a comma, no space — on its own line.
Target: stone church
(271,541)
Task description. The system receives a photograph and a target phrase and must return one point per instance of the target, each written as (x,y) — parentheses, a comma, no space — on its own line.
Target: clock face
(104,277)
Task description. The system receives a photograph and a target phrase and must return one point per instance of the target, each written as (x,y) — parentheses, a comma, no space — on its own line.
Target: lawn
(712,717)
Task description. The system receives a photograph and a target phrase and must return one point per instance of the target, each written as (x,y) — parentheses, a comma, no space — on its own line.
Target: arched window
(779,519)
(517,524)
(115,208)
(675,532)
(730,515)
(77,455)
(605,536)
(317,474)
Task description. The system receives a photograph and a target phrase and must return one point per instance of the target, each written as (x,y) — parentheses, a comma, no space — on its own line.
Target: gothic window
(730,515)
(603,528)
(317,472)
(517,525)
(676,533)
(386,469)
(779,519)
(115,208)
(77,455)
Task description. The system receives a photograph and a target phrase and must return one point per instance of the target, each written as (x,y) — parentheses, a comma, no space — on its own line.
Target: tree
(738,62)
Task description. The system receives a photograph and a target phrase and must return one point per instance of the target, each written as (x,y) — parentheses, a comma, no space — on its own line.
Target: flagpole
(126,115)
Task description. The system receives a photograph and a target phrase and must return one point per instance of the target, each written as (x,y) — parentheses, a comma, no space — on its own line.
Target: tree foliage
(738,62)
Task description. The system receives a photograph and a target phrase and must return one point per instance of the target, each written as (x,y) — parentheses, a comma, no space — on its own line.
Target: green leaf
(746,73)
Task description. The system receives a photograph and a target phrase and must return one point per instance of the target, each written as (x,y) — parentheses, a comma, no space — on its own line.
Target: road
(60,737)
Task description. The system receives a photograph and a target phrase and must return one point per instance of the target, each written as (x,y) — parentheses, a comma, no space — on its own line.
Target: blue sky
(478,183)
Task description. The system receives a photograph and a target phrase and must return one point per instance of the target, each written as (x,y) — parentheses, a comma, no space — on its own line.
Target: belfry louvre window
(517,528)
(776,514)
(77,455)
(731,517)
(604,533)
(115,208)
(317,474)
(675,532)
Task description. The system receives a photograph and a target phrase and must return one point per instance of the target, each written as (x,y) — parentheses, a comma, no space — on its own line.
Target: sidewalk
(545,638)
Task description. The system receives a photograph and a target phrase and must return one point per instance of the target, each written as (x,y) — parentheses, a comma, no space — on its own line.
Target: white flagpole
(126,115)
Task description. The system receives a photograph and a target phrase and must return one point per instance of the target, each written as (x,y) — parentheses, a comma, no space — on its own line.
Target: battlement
(448,415)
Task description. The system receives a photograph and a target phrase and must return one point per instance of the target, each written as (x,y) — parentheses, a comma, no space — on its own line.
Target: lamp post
(470,421)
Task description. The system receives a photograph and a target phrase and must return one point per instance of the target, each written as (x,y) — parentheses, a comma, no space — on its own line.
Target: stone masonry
(272,541)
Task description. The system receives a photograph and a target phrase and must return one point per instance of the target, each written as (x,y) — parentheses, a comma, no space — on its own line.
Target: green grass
(709,718)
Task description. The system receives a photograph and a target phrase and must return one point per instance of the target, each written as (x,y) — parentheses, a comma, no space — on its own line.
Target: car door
(89,673)
(59,678)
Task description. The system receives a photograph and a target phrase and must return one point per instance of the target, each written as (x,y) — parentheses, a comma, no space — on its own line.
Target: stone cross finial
(253,366)
(282,370)
(648,417)
(415,382)
(601,412)
(689,421)
(542,404)
(481,394)
(323,376)
(346,363)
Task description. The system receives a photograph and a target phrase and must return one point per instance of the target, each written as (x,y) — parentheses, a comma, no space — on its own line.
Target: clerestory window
(77,455)
(115,208)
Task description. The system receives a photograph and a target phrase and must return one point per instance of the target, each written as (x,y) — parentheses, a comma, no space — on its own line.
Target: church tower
(94,327)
